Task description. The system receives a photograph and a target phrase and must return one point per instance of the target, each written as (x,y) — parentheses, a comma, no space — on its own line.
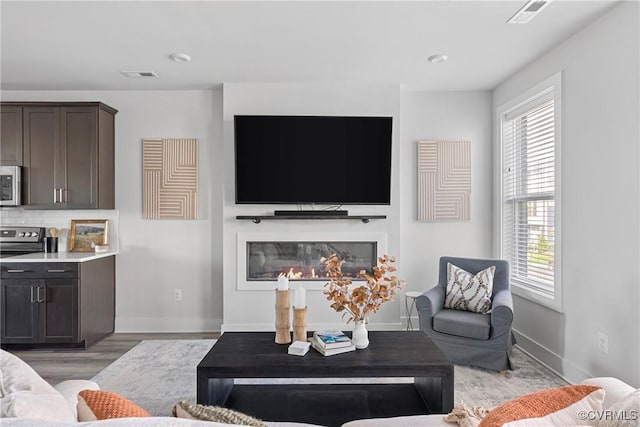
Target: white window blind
(529,193)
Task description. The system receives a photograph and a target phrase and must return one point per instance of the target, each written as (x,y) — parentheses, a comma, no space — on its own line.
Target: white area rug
(156,374)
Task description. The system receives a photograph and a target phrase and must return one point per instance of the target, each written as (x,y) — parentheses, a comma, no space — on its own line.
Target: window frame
(551,86)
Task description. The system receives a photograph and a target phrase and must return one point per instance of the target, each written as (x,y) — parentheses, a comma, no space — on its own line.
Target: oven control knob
(27,234)
(21,234)
(34,234)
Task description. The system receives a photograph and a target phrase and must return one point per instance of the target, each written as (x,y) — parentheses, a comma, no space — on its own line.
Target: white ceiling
(55,45)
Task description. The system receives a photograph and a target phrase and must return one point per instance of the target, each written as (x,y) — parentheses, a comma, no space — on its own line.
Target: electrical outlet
(177,294)
(603,342)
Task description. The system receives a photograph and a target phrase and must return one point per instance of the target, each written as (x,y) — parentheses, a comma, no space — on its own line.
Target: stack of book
(332,342)
(299,348)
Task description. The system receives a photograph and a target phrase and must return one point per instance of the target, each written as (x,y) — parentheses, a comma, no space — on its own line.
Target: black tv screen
(313,160)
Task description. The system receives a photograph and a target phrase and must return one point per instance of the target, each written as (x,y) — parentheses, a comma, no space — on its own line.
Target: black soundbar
(311,213)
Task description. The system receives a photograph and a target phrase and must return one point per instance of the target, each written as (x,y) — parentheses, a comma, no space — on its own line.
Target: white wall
(157,256)
(600,201)
(445,116)
(254,310)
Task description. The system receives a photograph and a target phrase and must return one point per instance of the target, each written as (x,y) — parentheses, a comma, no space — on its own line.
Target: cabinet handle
(32,300)
(61,198)
(15,271)
(56,271)
(55,195)
(44,291)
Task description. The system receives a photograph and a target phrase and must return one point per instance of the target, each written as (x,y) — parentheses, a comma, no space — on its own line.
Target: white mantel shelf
(58,257)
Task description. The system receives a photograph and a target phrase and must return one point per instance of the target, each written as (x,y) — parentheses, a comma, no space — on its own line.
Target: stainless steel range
(20,240)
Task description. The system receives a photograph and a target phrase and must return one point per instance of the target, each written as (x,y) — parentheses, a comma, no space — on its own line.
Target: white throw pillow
(468,292)
(16,375)
(624,413)
(69,389)
(24,394)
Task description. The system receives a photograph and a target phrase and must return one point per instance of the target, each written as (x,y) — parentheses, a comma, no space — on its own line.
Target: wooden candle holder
(300,324)
(283,327)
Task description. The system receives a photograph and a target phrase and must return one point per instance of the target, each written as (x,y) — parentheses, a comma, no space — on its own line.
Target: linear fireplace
(262,258)
(303,260)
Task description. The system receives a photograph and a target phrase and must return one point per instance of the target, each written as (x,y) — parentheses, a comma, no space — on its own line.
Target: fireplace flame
(297,275)
(292,275)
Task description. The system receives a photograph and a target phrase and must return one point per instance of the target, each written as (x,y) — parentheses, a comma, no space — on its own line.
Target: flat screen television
(313,160)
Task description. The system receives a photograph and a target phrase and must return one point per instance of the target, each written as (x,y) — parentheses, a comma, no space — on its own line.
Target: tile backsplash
(60,219)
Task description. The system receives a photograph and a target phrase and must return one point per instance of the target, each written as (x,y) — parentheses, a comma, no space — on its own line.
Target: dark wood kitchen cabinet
(57,303)
(39,311)
(67,154)
(10,136)
(18,305)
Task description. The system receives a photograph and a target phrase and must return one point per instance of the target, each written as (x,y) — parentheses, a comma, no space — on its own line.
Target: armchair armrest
(430,303)
(501,312)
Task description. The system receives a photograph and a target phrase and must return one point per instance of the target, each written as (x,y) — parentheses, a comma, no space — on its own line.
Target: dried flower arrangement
(358,302)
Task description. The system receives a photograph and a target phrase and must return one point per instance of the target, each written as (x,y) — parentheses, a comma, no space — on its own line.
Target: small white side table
(409,305)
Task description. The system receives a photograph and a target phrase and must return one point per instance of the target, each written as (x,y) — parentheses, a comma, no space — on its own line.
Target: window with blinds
(529,193)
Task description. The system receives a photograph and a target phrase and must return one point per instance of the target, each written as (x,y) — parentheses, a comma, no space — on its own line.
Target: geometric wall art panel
(444,180)
(170,181)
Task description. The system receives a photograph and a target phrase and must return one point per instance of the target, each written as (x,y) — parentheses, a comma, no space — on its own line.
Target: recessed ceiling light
(139,73)
(438,58)
(180,57)
(528,11)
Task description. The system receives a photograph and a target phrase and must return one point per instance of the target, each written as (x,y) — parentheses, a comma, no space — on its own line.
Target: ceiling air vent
(528,11)
(139,74)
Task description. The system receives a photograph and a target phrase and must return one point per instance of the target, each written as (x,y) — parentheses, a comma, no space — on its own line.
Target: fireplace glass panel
(301,260)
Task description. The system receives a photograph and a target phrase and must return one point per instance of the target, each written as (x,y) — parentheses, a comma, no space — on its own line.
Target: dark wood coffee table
(391,354)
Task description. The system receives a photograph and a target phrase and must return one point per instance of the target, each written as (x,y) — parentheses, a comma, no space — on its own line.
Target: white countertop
(58,257)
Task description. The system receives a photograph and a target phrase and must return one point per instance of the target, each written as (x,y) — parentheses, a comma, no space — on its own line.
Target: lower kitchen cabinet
(39,311)
(57,303)
(18,305)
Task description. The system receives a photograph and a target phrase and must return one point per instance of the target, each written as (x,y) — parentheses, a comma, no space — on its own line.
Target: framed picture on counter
(87,233)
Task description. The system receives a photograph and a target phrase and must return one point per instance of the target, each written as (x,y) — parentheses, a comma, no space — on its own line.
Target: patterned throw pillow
(564,406)
(184,409)
(101,405)
(468,292)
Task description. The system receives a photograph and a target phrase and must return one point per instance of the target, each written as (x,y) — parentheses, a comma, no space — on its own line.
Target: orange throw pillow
(105,405)
(544,403)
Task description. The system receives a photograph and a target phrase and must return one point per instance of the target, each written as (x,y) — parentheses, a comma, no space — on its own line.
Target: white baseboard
(562,367)
(166,324)
(415,322)
(176,325)
(268,327)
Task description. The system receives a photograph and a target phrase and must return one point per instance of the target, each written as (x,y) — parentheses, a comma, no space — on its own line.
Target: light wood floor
(57,365)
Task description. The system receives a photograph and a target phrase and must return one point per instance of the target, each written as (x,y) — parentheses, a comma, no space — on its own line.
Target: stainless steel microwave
(10,187)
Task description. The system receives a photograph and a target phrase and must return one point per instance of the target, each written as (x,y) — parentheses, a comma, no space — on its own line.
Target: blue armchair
(467,338)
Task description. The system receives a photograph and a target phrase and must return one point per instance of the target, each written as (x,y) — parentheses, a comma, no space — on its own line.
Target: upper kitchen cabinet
(68,155)
(10,136)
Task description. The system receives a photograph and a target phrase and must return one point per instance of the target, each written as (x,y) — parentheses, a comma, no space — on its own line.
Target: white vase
(360,337)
